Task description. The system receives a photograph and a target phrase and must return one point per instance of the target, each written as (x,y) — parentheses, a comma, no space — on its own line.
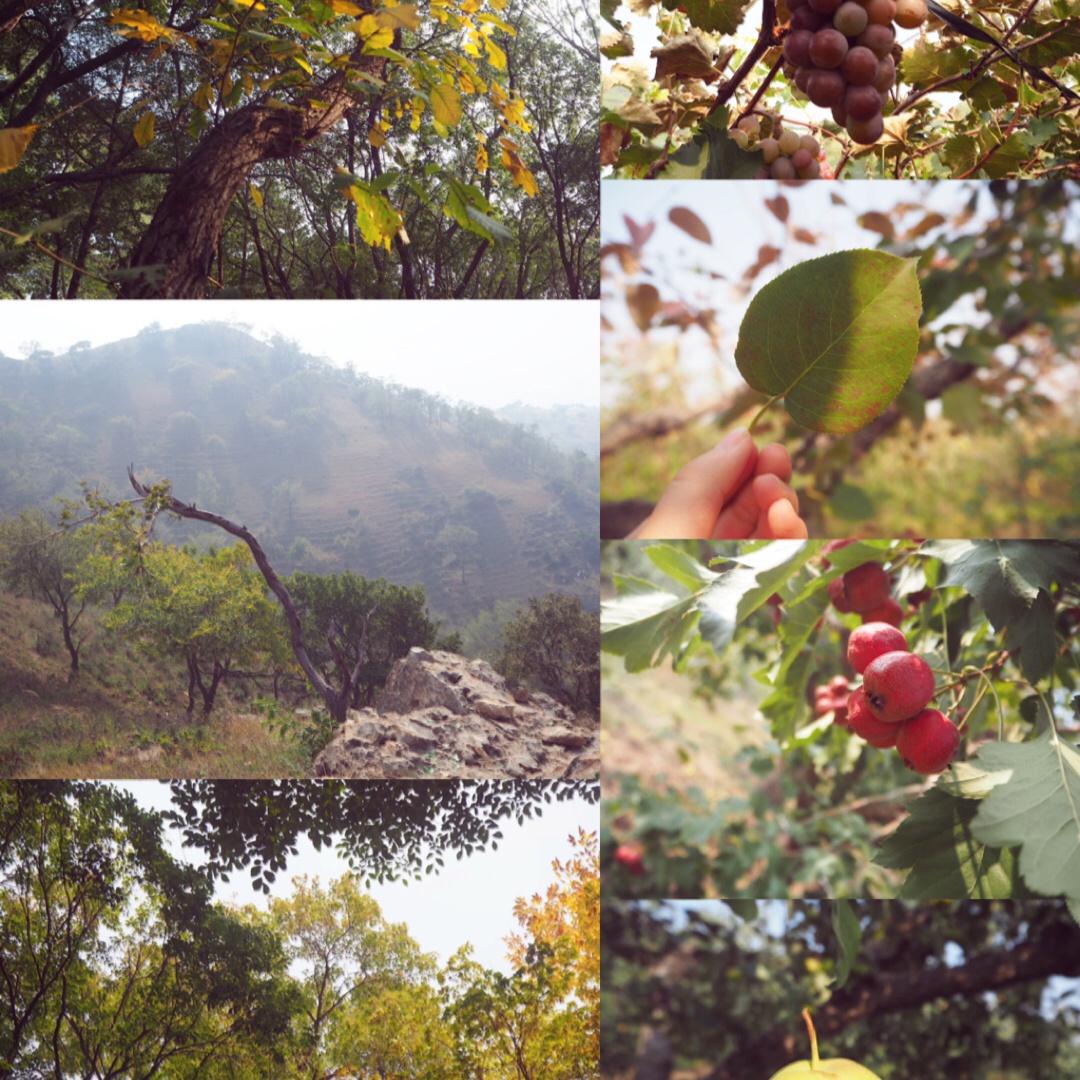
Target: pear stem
(814,1060)
(761,412)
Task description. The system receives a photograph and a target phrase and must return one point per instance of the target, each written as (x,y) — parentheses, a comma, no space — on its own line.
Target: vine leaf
(835,336)
(1011,580)
(1039,809)
(713,155)
(714,16)
(946,860)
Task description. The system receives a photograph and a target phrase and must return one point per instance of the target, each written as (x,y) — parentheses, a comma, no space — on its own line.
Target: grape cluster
(841,52)
(788,155)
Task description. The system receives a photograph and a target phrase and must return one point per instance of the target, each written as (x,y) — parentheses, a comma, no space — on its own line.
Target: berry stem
(808,1020)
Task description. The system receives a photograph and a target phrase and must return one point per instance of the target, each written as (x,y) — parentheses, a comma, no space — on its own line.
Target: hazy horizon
(488,353)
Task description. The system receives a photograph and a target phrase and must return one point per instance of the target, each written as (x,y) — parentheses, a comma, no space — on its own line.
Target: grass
(123,717)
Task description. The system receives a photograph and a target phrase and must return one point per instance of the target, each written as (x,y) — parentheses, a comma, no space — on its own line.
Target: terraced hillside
(331,468)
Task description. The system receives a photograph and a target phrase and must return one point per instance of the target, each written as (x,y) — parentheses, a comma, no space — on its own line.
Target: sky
(487,352)
(470,900)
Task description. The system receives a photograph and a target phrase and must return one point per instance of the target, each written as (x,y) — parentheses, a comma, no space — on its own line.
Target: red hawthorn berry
(866,725)
(898,686)
(866,586)
(630,856)
(870,641)
(889,611)
(927,742)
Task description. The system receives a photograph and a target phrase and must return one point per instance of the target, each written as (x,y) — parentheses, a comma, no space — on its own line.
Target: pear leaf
(836,337)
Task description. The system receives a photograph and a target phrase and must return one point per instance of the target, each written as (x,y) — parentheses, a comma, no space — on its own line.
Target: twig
(766,38)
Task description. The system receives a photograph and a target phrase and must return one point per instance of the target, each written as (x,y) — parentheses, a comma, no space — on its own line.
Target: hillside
(330,468)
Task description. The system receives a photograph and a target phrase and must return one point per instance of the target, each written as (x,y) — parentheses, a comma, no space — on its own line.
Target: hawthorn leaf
(848,933)
(946,861)
(1011,581)
(743,589)
(645,624)
(13,144)
(747,910)
(680,565)
(835,336)
(1037,809)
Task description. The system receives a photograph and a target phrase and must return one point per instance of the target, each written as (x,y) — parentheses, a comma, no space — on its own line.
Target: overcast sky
(470,900)
(487,352)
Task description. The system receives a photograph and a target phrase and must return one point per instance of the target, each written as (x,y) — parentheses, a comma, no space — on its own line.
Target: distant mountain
(569,427)
(330,468)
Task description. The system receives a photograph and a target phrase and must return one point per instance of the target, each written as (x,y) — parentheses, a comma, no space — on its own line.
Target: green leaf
(712,155)
(1038,809)
(1011,580)
(739,591)
(745,909)
(835,336)
(851,503)
(494,230)
(680,565)
(947,862)
(646,624)
(848,933)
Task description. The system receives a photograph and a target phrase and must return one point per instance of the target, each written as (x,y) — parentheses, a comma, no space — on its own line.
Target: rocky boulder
(443,715)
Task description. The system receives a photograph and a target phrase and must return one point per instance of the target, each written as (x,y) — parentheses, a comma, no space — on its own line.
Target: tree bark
(174,256)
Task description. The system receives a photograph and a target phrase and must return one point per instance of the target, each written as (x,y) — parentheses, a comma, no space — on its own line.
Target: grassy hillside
(330,468)
(122,717)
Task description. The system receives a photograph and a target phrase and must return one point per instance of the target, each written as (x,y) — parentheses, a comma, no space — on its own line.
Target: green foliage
(372,624)
(1002,824)
(850,333)
(554,643)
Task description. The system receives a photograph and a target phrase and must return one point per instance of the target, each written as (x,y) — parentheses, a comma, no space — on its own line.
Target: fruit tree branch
(766,39)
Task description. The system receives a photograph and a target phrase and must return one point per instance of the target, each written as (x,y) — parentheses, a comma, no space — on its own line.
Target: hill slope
(331,469)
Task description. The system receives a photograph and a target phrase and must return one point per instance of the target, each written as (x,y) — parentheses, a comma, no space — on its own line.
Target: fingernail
(734,438)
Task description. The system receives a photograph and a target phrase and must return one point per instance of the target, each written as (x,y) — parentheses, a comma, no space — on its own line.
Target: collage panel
(843,719)
(839,89)
(298,929)
(904,356)
(298,149)
(859,990)
(288,539)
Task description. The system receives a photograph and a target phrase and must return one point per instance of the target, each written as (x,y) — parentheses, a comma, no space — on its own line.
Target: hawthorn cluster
(865,590)
(840,54)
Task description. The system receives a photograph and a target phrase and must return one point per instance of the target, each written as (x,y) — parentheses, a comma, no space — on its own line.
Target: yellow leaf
(376,219)
(496,21)
(144,129)
(343,7)
(140,24)
(418,105)
(495,54)
(300,62)
(376,137)
(256,197)
(481,160)
(470,84)
(251,4)
(13,144)
(373,35)
(469,6)
(446,104)
(204,97)
(399,16)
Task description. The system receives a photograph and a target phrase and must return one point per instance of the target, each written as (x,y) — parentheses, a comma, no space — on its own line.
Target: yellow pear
(832,1069)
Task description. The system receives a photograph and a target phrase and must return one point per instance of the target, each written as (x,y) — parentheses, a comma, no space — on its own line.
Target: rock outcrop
(442,715)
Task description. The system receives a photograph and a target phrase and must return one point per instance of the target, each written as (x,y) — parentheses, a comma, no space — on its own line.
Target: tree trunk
(176,253)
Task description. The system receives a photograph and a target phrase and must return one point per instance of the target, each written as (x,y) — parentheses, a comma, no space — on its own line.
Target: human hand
(731,492)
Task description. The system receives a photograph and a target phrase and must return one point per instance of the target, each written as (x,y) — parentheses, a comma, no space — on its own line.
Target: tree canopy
(297,149)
